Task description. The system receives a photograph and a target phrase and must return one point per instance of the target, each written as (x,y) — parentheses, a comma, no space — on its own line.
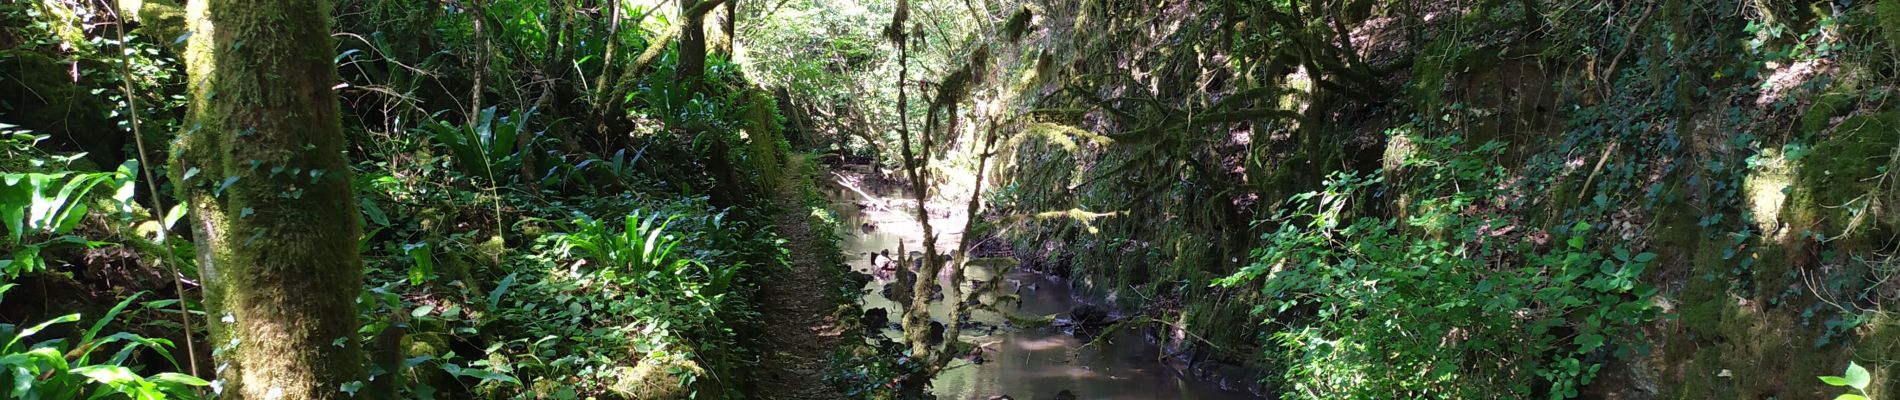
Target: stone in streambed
(1088,315)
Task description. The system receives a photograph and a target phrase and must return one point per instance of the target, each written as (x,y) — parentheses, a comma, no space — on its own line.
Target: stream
(1033,363)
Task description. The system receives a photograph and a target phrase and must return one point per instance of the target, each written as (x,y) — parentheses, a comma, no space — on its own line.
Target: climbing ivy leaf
(228,181)
(1857,376)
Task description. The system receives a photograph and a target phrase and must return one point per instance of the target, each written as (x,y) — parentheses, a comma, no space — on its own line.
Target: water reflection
(1030,363)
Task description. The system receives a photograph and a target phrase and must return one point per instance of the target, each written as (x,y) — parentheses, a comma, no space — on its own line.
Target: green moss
(1433,67)
(1880,340)
(656,380)
(766,145)
(1702,304)
(1742,351)
(1823,111)
(1888,13)
(1676,229)
(280,290)
(431,344)
(162,21)
(1831,182)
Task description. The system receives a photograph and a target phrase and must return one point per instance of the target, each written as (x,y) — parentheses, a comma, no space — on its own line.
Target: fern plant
(641,254)
(50,204)
(490,147)
(59,369)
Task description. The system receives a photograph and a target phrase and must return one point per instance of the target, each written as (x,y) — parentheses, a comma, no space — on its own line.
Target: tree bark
(725,22)
(479,66)
(261,165)
(692,64)
(692,70)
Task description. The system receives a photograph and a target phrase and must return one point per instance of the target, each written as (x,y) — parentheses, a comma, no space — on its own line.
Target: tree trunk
(725,22)
(692,70)
(261,165)
(692,64)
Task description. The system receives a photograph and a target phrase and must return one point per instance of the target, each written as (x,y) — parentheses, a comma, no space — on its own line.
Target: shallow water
(1026,363)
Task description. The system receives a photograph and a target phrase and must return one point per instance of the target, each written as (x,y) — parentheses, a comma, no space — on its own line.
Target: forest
(955,199)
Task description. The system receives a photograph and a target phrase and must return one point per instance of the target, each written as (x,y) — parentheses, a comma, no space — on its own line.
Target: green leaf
(114,313)
(425,262)
(68,318)
(1850,396)
(422,311)
(173,378)
(228,181)
(1857,376)
(494,296)
(482,374)
(352,387)
(1589,341)
(107,374)
(1834,381)
(171,218)
(374,213)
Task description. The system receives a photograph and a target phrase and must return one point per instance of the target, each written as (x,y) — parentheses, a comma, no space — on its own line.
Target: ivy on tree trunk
(261,164)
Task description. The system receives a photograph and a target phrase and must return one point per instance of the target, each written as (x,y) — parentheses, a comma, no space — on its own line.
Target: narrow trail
(800,329)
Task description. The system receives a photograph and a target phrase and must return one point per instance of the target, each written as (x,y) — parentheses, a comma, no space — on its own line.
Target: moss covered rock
(1833,190)
(667,378)
(1821,115)
(161,21)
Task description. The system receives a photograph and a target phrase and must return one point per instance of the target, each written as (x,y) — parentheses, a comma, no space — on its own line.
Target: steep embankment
(1675,199)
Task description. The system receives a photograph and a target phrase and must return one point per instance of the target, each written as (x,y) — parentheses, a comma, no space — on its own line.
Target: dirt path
(800,331)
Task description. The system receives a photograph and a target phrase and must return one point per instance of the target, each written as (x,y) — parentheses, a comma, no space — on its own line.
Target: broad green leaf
(1857,376)
(494,296)
(1834,381)
(425,262)
(172,217)
(1589,341)
(374,213)
(68,318)
(482,374)
(351,387)
(107,374)
(173,378)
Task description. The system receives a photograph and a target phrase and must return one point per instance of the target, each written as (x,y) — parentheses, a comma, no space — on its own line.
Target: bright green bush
(641,255)
(56,368)
(1444,304)
(489,148)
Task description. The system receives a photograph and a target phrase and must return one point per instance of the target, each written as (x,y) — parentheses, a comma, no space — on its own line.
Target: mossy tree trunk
(725,21)
(692,70)
(261,165)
